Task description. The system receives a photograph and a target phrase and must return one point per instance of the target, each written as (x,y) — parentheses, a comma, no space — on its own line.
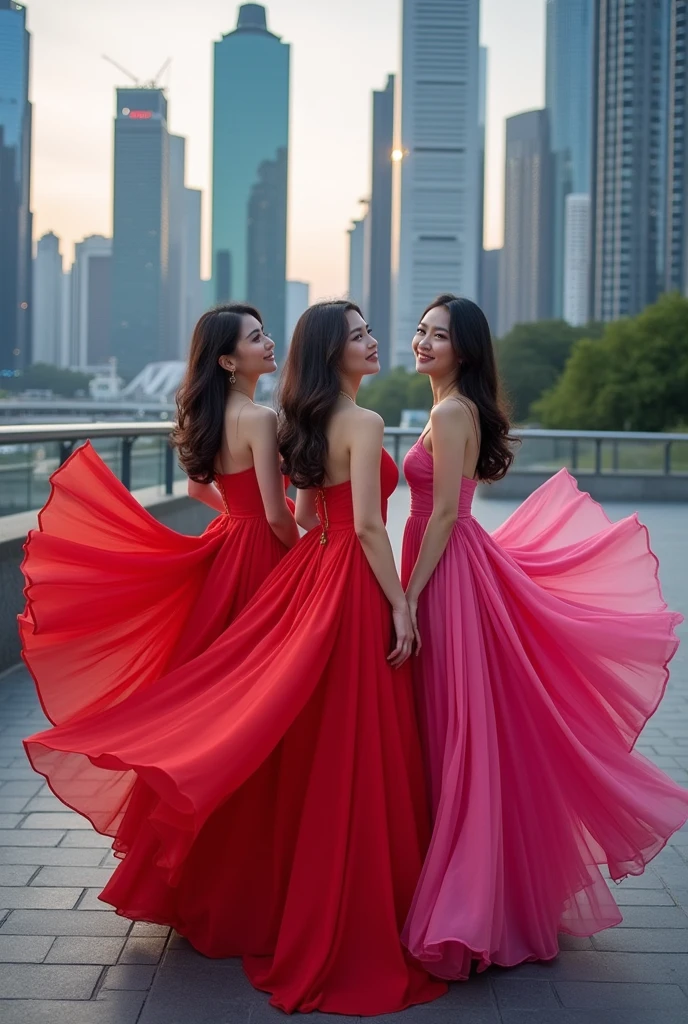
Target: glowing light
(140,115)
(397,155)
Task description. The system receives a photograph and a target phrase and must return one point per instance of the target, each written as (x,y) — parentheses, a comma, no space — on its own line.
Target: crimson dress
(289,822)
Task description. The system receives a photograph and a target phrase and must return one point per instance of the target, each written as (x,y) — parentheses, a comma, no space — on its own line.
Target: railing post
(667,458)
(598,455)
(66,448)
(127,445)
(169,468)
(615,456)
(397,449)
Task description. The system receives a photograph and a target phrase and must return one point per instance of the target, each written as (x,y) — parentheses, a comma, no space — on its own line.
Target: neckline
(242,472)
(469,479)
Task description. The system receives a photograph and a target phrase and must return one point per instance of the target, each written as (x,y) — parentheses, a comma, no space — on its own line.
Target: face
(254,353)
(432,346)
(359,358)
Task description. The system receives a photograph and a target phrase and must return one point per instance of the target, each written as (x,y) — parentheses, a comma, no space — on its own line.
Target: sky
(340,51)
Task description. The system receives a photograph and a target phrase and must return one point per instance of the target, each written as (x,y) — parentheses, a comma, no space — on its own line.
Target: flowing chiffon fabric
(545,651)
(285,817)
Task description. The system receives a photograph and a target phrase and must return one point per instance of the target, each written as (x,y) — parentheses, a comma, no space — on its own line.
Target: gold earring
(232,378)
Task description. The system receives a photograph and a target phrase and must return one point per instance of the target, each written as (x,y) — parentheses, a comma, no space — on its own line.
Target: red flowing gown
(287,819)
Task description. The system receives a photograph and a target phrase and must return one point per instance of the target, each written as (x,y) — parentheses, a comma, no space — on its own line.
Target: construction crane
(152,84)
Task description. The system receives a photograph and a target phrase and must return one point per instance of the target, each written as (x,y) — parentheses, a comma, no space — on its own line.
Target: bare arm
(451,430)
(366,451)
(207,493)
(306,513)
(263,444)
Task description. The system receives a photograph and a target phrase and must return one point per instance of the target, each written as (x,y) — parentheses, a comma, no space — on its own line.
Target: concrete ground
(65,958)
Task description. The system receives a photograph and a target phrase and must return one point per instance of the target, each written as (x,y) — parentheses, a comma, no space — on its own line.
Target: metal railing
(140,455)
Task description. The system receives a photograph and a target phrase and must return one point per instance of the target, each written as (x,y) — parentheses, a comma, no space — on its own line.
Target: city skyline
(72,182)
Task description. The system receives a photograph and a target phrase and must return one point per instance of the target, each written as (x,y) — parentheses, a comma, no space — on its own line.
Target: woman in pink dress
(544,652)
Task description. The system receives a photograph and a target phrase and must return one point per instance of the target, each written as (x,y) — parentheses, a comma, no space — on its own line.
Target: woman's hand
(413,612)
(403,632)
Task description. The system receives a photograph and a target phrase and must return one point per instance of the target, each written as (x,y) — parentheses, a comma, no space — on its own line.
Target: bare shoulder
(261,416)
(450,412)
(364,423)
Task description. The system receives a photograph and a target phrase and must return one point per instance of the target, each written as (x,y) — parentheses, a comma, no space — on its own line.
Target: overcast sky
(341,50)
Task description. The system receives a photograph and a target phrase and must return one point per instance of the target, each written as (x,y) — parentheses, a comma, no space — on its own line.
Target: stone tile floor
(65,958)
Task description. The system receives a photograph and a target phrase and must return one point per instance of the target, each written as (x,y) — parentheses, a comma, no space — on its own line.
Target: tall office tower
(140,244)
(439,201)
(379,304)
(568,99)
(194,299)
(526,277)
(577,259)
(15,189)
(676,256)
(47,301)
(298,300)
(628,187)
(359,262)
(489,288)
(91,303)
(482,126)
(177,229)
(66,320)
(250,157)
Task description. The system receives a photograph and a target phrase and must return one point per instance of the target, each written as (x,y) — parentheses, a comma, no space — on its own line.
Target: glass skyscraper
(250,158)
(15,191)
(568,98)
(140,244)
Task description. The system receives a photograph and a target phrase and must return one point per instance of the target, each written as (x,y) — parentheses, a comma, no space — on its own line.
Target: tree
(43,377)
(531,358)
(634,378)
(396,391)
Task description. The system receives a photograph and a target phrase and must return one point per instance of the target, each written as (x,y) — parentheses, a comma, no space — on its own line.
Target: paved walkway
(65,958)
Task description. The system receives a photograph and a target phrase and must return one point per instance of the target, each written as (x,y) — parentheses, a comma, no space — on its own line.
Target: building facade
(577,259)
(15,189)
(250,164)
(526,270)
(140,332)
(298,301)
(46,322)
(194,299)
(359,248)
(177,240)
(379,289)
(676,255)
(440,144)
(91,303)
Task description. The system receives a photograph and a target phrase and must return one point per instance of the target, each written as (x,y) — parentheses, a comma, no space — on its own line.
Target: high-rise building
(91,303)
(140,244)
(379,303)
(628,186)
(526,278)
(489,287)
(439,202)
(676,257)
(15,189)
(359,275)
(250,158)
(298,300)
(577,259)
(46,321)
(568,98)
(194,299)
(175,275)
(482,126)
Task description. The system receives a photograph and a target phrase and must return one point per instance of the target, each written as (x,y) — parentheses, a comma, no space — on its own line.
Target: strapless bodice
(418,470)
(241,494)
(335,503)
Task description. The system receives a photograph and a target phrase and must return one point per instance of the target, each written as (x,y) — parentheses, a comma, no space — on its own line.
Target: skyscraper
(46,322)
(526,279)
(379,309)
(628,187)
(359,238)
(194,300)
(140,245)
(250,158)
(15,189)
(439,226)
(577,259)
(568,98)
(489,287)
(482,125)
(175,276)
(298,299)
(91,303)
(676,257)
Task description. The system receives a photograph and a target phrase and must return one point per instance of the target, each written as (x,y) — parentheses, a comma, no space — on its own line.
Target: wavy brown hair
(477,380)
(202,395)
(309,389)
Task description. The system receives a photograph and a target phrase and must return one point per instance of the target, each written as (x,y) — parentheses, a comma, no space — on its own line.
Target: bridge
(65,957)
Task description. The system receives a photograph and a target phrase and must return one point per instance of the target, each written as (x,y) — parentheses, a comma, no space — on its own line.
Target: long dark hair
(202,395)
(309,389)
(477,380)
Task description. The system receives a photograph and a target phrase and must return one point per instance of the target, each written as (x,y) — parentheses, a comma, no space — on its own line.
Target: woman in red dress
(290,822)
(114,598)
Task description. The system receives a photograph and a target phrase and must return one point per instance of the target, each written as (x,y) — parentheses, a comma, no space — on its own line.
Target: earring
(232,378)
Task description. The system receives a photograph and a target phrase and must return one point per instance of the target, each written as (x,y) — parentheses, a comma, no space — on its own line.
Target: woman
(290,818)
(114,598)
(544,651)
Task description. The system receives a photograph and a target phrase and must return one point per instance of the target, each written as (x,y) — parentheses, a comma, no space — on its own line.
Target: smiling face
(359,357)
(254,353)
(432,345)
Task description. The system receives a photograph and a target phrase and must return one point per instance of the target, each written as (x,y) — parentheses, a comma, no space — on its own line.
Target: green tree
(634,378)
(397,390)
(43,377)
